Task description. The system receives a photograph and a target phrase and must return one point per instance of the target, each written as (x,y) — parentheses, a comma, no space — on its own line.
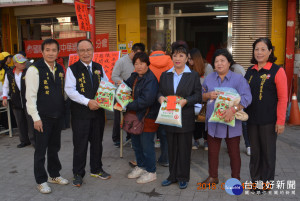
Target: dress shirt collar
(50,66)
(90,64)
(267,66)
(227,76)
(186,70)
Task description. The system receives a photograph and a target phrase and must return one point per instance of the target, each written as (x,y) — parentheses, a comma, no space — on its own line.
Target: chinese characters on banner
(87,2)
(106,59)
(67,46)
(82,16)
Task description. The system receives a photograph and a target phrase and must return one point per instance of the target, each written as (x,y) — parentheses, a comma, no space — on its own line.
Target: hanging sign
(82,16)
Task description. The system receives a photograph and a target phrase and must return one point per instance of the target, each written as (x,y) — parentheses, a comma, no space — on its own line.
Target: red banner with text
(82,16)
(66,46)
(87,2)
(106,59)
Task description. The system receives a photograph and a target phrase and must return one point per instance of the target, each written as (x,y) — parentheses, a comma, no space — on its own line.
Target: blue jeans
(245,133)
(143,146)
(162,135)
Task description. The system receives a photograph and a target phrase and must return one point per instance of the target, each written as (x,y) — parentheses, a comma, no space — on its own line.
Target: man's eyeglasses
(82,51)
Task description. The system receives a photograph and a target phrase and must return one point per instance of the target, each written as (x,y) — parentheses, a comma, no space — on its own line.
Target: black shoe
(23,145)
(163,164)
(117,144)
(102,175)
(77,180)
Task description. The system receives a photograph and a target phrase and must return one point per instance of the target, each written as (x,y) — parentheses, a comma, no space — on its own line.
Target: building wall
(133,15)
(131,20)
(278,34)
(9,30)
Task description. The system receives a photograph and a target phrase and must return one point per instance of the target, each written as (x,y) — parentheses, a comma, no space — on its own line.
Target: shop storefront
(60,22)
(208,25)
(204,24)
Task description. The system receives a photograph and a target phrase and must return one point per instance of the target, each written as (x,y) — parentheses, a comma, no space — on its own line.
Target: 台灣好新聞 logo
(233,187)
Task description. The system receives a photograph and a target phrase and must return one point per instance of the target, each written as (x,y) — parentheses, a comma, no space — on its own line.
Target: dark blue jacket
(145,95)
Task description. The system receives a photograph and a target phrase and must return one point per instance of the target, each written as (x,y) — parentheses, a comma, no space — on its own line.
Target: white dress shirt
(6,84)
(32,82)
(70,86)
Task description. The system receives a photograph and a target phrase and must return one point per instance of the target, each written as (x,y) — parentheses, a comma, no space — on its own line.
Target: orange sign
(66,46)
(106,59)
(82,16)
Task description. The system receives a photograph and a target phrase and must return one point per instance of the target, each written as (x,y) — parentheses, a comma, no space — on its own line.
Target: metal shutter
(106,23)
(250,20)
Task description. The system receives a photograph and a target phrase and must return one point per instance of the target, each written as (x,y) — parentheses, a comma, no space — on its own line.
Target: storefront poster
(82,16)
(67,46)
(106,59)
(124,52)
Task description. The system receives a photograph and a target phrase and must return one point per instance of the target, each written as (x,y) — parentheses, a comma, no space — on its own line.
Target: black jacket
(18,100)
(50,95)
(145,95)
(84,87)
(190,89)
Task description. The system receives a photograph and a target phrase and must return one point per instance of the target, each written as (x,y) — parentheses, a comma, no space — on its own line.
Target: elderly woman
(183,82)
(223,77)
(145,87)
(267,111)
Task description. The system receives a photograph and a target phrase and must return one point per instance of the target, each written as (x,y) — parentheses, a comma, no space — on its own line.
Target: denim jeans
(143,146)
(162,135)
(245,133)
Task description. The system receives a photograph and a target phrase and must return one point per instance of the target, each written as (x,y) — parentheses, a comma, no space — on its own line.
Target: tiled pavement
(17,181)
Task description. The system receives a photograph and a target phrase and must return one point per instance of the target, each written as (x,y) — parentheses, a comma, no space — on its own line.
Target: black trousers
(84,131)
(200,131)
(47,141)
(25,126)
(116,126)
(179,150)
(263,151)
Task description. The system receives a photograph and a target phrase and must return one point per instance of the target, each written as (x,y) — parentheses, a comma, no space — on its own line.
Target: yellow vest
(2,76)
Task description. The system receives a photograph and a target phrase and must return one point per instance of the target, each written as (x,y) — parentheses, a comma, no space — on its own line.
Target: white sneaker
(44,188)
(196,144)
(58,180)
(249,151)
(136,172)
(146,178)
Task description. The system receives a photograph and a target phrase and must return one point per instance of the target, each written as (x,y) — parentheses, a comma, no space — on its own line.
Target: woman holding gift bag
(223,77)
(183,82)
(145,108)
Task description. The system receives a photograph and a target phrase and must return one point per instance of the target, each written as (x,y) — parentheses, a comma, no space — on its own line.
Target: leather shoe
(211,180)
(23,145)
(166,183)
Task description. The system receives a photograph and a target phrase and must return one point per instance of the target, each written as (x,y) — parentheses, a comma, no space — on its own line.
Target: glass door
(160,30)
(202,24)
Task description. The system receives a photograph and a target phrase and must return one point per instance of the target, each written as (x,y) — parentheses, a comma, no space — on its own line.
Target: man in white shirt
(87,118)
(14,86)
(45,104)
